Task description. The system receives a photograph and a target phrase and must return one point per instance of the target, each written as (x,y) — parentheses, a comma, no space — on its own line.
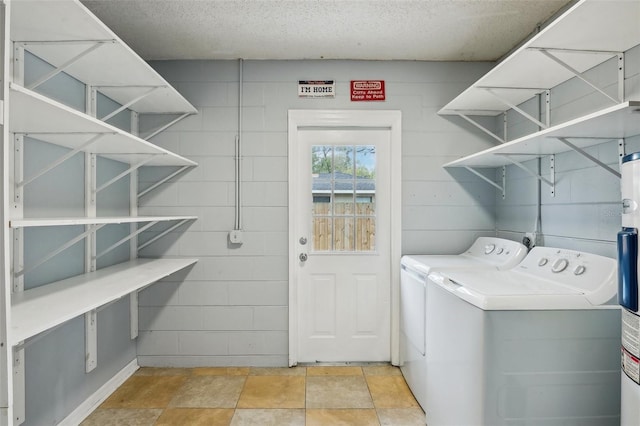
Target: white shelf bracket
(59,250)
(133,243)
(621,86)
(504,182)
(166,126)
(133,310)
(163,180)
(622,149)
(91,340)
(489,181)
(135,123)
(61,160)
(505,126)
(163,233)
(17,209)
(481,127)
(547,52)
(131,102)
(18,354)
(19,387)
(65,65)
(552,173)
(547,107)
(18,259)
(588,156)
(90,207)
(125,173)
(125,239)
(550,183)
(17,285)
(18,64)
(513,106)
(18,173)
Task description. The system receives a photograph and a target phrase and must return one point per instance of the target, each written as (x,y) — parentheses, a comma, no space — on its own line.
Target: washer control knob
(579,270)
(489,248)
(543,261)
(559,265)
(499,251)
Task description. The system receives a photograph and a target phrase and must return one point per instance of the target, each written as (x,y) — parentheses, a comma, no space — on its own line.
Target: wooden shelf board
(112,64)
(51,121)
(42,308)
(71,221)
(619,121)
(589,25)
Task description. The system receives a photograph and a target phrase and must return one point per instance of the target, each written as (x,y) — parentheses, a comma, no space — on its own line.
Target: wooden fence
(351,227)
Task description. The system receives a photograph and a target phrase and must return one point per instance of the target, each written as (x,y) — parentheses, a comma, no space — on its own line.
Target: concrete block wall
(231,308)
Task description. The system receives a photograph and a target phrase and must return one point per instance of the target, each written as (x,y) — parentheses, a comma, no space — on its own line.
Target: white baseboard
(82,412)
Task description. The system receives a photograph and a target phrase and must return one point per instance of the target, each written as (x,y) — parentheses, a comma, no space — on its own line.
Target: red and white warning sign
(367,90)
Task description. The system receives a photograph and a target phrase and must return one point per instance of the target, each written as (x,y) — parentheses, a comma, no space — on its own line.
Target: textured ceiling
(439,30)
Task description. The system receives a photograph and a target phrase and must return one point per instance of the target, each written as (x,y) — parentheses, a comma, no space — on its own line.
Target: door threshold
(343,363)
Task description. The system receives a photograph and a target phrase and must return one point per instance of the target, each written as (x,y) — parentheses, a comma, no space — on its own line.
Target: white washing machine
(485,252)
(534,345)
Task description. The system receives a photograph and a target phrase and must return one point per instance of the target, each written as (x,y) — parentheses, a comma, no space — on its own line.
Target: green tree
(322,158)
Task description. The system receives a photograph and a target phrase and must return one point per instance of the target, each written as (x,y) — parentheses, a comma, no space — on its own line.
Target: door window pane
(343,162)
(343,193)
(365,233)
(365,158)
(343,234)
(322,235)
(365,205)
(343,197)
(322,160)
(321,194)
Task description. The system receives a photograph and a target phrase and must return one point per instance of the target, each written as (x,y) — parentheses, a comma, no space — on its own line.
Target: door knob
(303,257)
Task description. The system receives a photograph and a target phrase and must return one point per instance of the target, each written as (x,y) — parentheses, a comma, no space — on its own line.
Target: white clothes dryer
(484,253)
(534,345)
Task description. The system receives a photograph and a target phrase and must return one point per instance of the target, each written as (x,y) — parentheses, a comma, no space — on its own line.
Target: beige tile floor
(311,396)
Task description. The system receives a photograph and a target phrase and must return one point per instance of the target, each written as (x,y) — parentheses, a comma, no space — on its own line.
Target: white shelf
(51,121)
(588,26)
(46,23)
(619,121)
(70,221)
(42,308)
(72,40)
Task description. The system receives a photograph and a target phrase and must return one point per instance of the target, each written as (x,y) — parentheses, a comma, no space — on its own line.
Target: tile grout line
(371,395)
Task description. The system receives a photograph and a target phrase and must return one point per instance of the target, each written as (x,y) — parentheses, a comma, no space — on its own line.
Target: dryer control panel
(504,254)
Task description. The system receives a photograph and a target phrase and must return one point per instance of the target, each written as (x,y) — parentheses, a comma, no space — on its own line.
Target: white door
(341,220)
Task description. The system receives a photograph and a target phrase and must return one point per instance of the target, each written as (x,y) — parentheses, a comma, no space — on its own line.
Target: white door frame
(332,119)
